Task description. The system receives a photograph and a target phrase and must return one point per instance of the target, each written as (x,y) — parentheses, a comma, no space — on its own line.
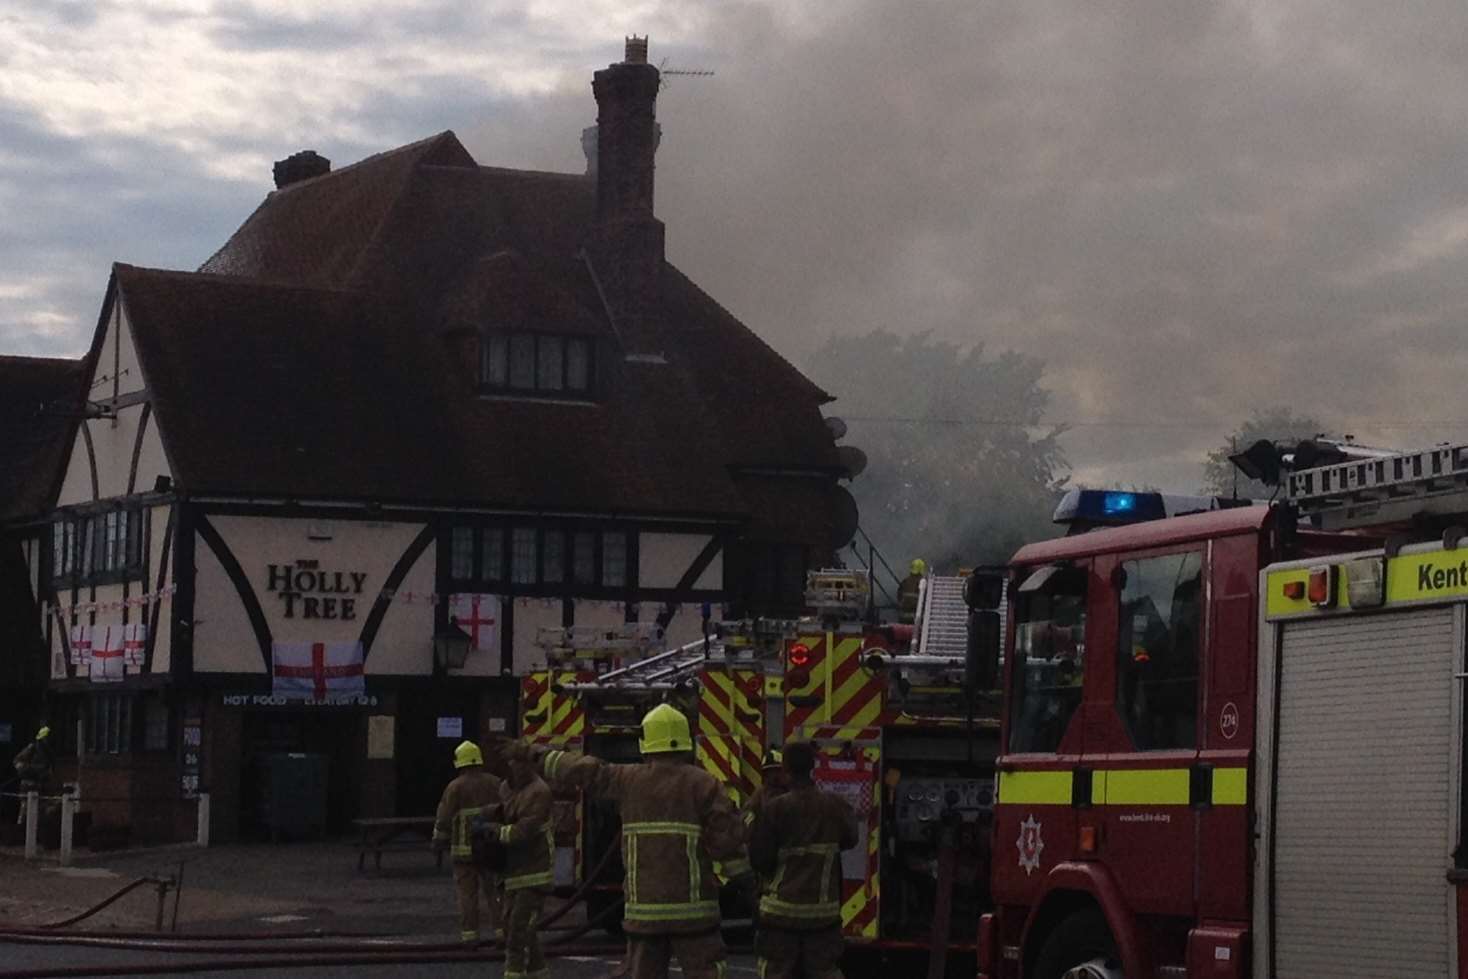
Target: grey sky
(1187,209)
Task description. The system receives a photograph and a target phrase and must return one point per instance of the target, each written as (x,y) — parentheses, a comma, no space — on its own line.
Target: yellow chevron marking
(724,684)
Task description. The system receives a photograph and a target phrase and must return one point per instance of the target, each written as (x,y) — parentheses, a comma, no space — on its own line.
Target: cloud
(1187,209)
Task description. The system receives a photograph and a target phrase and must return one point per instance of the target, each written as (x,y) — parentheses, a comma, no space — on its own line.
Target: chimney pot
(636,50)
(300,166)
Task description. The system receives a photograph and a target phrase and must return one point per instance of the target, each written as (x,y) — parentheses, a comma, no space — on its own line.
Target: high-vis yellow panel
(1035,788)
(1141,787)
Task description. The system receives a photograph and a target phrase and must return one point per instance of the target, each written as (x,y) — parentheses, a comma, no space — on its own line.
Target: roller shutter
(1364,799)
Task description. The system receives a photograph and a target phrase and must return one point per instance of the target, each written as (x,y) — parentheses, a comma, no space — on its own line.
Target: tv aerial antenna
(664,72)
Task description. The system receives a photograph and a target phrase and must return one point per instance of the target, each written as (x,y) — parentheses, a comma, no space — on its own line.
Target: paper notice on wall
(450,727)
(379,736)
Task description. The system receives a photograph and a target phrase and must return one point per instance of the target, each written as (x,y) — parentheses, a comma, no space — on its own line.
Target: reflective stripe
(461,846)
(695,879)
(812,849)
(1124,787)
(680,829)
(537,879)
(672,912)
(1035,788)
(468,936)
(1230,786)
(737,868)
(629,858)
(773,905)
(552,763)
(505,833)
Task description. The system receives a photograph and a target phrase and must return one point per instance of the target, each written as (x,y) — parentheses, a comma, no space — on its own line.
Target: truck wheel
(1080,947)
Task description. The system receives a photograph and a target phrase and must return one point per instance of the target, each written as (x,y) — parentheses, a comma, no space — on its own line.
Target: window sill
(531,397)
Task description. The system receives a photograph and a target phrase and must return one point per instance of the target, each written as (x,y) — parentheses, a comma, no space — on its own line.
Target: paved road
(20,959)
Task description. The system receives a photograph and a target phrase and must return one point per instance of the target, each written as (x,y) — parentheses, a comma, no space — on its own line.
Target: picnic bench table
(380,833)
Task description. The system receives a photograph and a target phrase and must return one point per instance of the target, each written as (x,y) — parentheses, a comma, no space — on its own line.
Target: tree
(1276,424)
(961,470)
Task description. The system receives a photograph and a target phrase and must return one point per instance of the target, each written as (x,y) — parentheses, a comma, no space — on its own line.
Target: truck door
(1035,819)
(1142,749)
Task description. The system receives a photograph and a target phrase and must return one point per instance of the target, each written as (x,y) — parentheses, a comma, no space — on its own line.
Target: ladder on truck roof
(942,617)
(1391,489)
(661,672)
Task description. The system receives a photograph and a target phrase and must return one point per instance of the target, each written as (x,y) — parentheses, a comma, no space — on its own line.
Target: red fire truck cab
(1123,836)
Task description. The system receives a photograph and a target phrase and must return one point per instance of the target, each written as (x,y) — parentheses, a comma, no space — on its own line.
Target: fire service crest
(1030,845)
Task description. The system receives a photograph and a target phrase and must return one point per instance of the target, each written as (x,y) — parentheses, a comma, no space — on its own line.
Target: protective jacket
(528,836)
(676,821)
(472,793)
(796,845)
(762,797)
(33,764)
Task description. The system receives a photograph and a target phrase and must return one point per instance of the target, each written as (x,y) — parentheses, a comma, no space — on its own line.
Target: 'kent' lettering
(1437,579)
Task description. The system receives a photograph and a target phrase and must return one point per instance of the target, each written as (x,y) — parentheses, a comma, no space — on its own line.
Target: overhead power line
(1126,423)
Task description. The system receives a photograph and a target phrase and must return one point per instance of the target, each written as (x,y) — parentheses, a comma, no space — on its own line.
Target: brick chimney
(300,166)
(629,239)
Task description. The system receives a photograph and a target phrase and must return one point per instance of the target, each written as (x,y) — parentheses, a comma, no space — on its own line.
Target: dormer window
(537,364)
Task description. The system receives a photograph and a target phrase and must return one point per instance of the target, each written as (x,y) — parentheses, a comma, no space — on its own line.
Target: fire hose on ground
(252,954)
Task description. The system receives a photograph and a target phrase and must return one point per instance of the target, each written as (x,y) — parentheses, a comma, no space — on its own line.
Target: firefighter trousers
(701,955)
(470,881)
(788,954)
(523,957)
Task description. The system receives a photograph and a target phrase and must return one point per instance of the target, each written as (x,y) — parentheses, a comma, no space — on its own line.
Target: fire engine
(1232,742)
(884,703)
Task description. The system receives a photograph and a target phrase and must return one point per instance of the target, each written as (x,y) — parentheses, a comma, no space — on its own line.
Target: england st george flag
(318,670)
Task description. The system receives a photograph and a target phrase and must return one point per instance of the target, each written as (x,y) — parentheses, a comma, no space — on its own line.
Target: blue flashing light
(1093,508)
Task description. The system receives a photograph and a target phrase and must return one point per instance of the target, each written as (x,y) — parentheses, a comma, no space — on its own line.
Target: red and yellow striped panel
(547,717)
(837,690)
(861,901)
(731,729)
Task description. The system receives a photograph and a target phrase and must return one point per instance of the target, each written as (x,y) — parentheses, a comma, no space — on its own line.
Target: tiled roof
(307,357)
(39,401)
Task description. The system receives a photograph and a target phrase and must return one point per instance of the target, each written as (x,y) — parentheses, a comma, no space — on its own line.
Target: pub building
(406,391)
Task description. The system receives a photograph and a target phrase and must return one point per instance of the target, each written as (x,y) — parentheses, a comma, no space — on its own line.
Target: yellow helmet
(918,566)
(44,732)
(466,754)
(664,728)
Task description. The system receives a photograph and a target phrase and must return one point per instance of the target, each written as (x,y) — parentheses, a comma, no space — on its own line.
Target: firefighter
(773,785)
(33,768)
(473,793)
(528,838)
(907,590)
(796,843)
(676,821)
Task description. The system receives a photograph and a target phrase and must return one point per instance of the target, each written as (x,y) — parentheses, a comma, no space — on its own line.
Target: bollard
(68,816)
(203,839)
(32,824)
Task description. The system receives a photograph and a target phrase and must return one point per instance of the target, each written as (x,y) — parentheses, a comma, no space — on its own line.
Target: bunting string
(405,597)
